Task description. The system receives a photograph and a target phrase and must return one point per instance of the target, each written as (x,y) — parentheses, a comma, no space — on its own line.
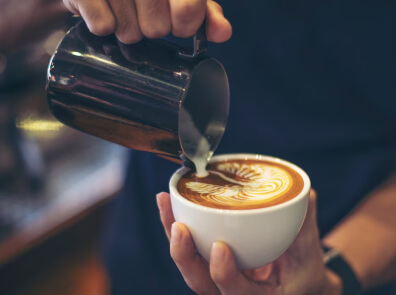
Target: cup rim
(181,171)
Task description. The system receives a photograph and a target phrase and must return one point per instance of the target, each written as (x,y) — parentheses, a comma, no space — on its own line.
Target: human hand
(130,20)
(299,271)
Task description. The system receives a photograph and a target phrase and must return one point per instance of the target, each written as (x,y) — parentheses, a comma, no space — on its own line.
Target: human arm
(367,237)
(130,20)
(22,22)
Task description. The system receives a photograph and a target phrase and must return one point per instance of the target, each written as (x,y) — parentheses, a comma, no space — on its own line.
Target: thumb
(218,28)
(309,229)
(311,213)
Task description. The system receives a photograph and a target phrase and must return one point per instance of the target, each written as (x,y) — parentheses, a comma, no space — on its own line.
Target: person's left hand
(299,271)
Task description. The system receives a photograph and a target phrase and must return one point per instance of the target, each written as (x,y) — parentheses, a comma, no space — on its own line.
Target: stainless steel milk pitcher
(133,95)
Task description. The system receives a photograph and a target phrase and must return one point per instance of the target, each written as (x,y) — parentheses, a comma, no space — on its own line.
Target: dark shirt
(311,82)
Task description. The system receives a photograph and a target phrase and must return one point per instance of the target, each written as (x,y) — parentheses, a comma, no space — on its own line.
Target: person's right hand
(130,20)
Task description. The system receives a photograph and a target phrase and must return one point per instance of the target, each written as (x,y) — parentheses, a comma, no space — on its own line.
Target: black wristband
(334,261)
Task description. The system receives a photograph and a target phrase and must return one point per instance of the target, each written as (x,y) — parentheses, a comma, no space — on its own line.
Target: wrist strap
(333,260)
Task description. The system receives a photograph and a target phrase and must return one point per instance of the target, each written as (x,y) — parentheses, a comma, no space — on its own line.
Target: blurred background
(56,184)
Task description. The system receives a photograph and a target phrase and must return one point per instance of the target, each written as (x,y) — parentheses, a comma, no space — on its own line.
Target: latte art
(241,184)
(257,183)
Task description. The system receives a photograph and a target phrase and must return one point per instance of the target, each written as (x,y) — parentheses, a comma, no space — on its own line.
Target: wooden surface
(66,264)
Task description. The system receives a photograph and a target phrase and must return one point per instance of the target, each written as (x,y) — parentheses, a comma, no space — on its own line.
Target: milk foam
(195,145)
(202,157)
(251,183)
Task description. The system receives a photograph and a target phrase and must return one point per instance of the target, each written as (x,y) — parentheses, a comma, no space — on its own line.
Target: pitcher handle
(200,44)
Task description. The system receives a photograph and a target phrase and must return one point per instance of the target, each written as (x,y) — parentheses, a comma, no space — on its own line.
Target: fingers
(154,18)
(260,274)
(97,15)
(225,274)
(307,241)
(218,28)
(192,267)
(131,20)
(312,203)
(310,219)
(69,4)
(187,16)
(166,214)
(127,29)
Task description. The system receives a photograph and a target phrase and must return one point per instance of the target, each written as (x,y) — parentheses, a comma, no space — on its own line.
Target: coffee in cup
(237,184)
(255,204)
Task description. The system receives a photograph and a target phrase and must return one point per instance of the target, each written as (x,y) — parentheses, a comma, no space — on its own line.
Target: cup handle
(200,44)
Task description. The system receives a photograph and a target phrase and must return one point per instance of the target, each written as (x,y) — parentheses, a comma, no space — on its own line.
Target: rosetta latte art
(241,184)
(254,183)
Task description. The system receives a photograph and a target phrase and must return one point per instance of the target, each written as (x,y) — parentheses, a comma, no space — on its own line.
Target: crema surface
(242,184)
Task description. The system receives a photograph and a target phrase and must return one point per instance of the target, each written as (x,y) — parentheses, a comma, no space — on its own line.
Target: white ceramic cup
(255,236)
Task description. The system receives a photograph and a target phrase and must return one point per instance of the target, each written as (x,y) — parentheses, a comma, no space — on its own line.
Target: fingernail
(175,234)
(218,253)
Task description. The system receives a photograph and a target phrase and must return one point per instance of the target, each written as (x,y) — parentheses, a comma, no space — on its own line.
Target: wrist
(337,267)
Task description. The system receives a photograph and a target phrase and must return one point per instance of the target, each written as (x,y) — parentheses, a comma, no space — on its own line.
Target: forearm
(23,22)
(367,237)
